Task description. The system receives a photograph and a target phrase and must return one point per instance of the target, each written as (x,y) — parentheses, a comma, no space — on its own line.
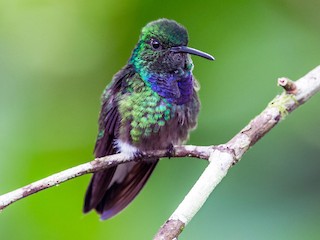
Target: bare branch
(94,166)
(221,157)
(225,156)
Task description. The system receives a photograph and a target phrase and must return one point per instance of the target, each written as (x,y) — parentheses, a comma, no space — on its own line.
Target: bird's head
(162,49)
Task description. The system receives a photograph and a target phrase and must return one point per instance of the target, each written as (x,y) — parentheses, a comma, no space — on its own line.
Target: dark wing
(104,146)
(109,122)
(113,189)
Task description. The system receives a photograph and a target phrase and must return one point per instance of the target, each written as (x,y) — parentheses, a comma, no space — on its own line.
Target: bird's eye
(155,44)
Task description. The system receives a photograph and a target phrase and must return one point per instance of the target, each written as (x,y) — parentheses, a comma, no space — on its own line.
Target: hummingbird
(150,104)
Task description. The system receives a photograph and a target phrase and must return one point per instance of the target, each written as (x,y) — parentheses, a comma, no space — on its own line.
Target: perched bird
(150,104)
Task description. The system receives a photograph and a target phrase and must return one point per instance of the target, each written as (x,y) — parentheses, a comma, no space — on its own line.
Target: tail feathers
(97,188)
(112,190)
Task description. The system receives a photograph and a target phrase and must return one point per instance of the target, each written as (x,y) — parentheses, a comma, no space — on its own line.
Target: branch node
(288,85)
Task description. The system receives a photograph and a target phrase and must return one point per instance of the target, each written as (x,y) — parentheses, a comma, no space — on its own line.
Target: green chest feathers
(142,110)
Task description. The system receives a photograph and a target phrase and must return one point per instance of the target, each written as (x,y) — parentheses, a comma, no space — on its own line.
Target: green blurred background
(57,56)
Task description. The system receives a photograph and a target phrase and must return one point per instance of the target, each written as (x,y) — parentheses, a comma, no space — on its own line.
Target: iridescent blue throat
(174,87)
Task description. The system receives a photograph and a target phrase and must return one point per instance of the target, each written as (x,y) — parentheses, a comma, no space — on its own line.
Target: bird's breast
(150,121)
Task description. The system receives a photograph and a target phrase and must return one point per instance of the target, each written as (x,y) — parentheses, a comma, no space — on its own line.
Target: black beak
(185,49)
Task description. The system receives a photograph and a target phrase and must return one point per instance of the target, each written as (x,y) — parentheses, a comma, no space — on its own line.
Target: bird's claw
(170,151)
(138,155)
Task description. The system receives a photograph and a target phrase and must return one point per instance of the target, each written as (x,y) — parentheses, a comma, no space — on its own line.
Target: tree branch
(221,157)
(94,166)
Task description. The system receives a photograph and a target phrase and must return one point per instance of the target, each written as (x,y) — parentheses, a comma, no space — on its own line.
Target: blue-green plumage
(150,104)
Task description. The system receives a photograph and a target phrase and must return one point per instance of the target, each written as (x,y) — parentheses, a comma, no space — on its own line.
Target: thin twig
(94,166)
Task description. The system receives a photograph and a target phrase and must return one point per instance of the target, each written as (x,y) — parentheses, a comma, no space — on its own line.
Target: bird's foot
(170,151)
(138,155)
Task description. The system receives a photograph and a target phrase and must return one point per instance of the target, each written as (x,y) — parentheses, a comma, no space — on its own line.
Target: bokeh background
(57,56)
